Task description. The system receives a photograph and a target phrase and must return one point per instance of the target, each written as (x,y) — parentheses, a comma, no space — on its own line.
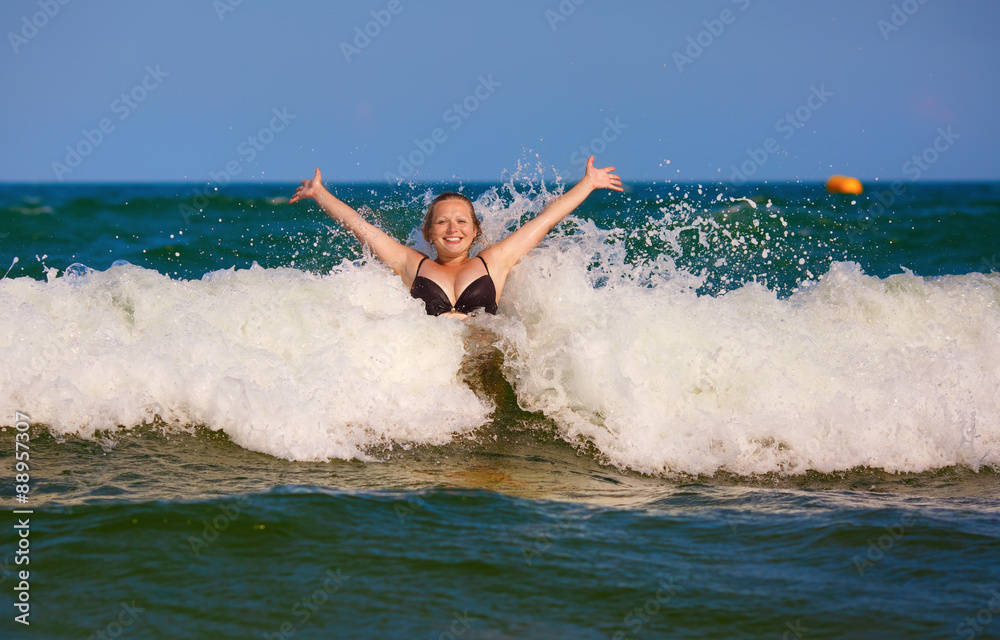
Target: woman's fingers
(614,181)
(305,191)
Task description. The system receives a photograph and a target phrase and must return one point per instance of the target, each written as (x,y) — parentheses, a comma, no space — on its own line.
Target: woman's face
(452,229)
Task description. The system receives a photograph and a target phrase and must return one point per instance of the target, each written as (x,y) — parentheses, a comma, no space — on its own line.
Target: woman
(453,283)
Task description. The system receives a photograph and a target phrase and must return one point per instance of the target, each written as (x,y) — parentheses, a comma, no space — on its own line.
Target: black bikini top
(480,294)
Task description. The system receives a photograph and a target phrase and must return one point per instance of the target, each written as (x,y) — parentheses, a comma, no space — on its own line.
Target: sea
(704,410)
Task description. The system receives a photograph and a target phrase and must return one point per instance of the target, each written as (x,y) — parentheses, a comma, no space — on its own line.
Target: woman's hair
(444,197)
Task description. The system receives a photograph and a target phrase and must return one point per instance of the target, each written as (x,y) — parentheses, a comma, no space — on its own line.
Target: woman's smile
(452,227)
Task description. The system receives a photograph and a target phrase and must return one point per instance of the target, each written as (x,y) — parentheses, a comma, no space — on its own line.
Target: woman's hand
(599,178)
(503,255)
(312,188)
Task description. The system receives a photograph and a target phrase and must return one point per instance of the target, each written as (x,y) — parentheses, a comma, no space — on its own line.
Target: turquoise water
(703,412)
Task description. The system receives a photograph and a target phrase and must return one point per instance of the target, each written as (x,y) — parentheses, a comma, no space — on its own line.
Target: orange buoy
(843,184)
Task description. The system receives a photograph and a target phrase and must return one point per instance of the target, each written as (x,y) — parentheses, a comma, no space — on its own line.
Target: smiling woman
(454,284)
(452,218)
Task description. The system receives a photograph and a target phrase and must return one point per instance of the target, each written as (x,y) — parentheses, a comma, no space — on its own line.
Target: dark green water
(693,418)
(521,536)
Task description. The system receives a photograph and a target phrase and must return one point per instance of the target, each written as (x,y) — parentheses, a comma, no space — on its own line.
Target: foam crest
(296,365)
(607,331)
(898,373)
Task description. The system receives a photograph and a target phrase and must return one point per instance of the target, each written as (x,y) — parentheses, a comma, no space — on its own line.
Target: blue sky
(256,91)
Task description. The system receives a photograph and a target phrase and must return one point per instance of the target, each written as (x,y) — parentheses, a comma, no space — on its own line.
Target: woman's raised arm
(401,259)
(508,251)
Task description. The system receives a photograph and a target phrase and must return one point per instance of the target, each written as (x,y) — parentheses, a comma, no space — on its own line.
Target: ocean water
(703,411)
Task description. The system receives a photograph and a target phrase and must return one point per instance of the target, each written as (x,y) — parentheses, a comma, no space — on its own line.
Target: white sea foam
(288,363)
(899,373)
